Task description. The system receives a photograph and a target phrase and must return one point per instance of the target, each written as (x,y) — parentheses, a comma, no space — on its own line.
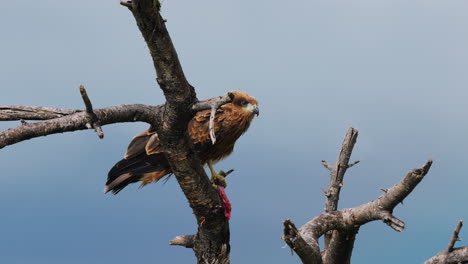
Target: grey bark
(337,173)
(346,222)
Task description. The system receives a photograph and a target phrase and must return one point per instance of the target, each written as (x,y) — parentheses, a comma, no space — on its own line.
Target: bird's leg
(217,179)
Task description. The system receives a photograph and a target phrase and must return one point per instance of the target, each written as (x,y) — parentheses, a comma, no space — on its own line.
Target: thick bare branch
(67,120)
(212,239)
(77,121)
(458,255)
(16,113)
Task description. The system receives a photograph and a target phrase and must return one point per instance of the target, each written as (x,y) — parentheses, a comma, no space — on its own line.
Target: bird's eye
(243,103)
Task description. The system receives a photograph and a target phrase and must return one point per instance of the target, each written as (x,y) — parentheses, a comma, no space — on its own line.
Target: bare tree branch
(67,120)
(455,236)
(77,121)
(378,209)
(309,253)
(458,255)
(16,113)
(352,218)
(337,173)
(348,220)
(345,223)
(450,254)
(212,239)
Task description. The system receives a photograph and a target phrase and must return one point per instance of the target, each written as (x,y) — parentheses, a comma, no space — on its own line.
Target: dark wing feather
(138,144)
(132,170)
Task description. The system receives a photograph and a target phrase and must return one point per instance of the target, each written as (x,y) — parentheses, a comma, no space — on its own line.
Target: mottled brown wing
(138,143)
(199,128)
(145,141)
(153,147)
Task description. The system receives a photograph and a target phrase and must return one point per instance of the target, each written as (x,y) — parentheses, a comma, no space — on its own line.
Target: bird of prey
(145,160)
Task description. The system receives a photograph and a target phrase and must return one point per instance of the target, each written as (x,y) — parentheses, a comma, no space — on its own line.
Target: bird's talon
(218,179)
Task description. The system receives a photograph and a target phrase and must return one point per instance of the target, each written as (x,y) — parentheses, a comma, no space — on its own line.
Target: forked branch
(346,222)
(337,173)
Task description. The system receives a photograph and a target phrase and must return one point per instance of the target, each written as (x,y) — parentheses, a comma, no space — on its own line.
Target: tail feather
(132,170)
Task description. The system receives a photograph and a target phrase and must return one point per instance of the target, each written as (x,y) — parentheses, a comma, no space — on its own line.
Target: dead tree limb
(451,255)
(211,243)
(74,121)
(346,222)
(58,120)
(309,253)
(337,173)
(16,113)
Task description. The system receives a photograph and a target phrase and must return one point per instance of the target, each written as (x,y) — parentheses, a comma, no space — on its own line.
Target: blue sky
(395,70)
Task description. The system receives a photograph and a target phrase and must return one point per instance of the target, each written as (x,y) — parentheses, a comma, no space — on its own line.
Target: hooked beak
(252,108)
(256,111)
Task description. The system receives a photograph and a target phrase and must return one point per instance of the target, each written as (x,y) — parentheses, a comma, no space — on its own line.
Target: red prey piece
(225,201)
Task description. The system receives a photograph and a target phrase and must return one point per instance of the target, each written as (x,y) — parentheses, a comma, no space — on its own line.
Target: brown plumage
(145,161)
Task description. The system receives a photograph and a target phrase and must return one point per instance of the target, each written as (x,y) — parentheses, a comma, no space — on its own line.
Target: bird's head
(244,102)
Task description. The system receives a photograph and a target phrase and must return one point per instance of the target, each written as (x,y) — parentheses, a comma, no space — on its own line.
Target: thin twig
(326,165)
(455,237)
(128,4)
(354,163)
(93,121)
(186,241)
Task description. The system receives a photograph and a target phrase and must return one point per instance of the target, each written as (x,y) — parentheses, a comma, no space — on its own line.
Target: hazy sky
(395,70)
